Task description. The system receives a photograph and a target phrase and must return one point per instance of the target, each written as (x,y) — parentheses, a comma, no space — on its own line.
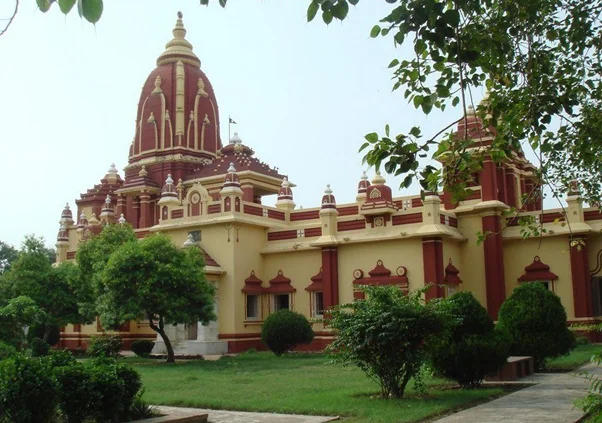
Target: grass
(299,384)
(577,358)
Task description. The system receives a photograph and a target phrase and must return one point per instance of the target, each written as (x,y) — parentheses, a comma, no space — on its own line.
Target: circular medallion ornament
(195,198)
(379,222)
(401,271)
(358,273)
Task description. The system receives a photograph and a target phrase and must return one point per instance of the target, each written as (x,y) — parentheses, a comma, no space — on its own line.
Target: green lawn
(299,383)
(578,357)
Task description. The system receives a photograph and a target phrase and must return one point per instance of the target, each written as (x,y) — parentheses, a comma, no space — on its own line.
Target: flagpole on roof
(229,124)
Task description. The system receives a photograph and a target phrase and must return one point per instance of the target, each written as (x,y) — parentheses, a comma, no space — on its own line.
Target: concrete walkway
(550,401)
(222,416)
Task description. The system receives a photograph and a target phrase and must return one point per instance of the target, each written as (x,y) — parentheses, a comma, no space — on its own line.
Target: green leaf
(452,17)
(387,129)
(312,10)
(66,5)
(375,31)
(222,3)
(92,10)
(327,16)
(418,101)
(44,5)
(354,2)
(393,63)
(340,10)
(372,137)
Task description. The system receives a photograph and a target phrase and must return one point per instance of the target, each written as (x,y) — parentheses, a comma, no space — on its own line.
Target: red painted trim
(275,214)
(253,285)
(311,232)
(488,178)
(177,214)
(214,208)
(238,335)
(592,215)
(317,282)
(255,211)
(280,284)
(582,290)
(432,263)
(348,211)
(550,217)
(280,235)
(451,274)
(406,219)
(305,215)
(350,225)
(71,255)
(494,264)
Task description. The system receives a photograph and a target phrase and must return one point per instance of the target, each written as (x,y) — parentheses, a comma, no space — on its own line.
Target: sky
(303,94)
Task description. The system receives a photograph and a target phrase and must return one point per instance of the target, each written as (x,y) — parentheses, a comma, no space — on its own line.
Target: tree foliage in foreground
(153,279)
(470,347)
(534,321)
(386,335)
(50,288)
(539,60)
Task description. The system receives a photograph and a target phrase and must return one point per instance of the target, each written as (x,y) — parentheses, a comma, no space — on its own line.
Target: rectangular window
(317,304)
(547,285)
(281,302)
(253,307)
(196,235)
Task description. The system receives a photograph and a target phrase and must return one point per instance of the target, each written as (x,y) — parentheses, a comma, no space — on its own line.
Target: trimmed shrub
(59,358)
(77,398)
(284,329)
(534,320)
(142,348)
(470,348)
(6,350)
(105,345)
(39,348)
(27,391)
(116,386)
(38,332)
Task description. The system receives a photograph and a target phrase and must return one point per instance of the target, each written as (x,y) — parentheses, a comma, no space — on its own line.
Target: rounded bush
(77,398)
(6,350)
(143,348)
(471,347)
(27,391)
(105,345)
(38,332)
(284,329)
(39,348)
(59,358)
(534,320)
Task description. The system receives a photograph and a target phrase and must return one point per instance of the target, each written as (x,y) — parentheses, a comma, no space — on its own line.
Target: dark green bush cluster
(534,321)
(105,346)
(284,329)
(470,347)
(142,348)
(35,389)
(6,350)
(38,331)
(39,348)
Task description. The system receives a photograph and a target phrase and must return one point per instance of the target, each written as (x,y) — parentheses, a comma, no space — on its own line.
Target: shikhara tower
(182,180)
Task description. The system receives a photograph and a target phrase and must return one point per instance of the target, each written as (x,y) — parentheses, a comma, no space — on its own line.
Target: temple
(182,180)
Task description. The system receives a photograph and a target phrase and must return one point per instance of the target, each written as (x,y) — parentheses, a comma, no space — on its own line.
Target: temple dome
(177,118)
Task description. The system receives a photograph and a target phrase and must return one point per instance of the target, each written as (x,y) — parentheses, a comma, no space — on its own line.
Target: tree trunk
(47,329)
(161,331)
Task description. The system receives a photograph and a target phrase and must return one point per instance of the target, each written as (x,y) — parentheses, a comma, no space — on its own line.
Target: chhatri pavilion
(182,180)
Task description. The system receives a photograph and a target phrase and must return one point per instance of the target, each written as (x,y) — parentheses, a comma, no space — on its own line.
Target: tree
(386,335)
(50,288)
(17,314)
(534,321)
(470,347)
(8,254)
(152,279)
(92,257)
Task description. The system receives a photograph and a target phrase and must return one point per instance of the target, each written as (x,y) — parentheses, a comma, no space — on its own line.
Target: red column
(511,189)
(145,212)
(501,186)
(494,264)
(488,180)
(247,193)
(582,289)
(330,271)
(432,261)
(121,206)
(133,211)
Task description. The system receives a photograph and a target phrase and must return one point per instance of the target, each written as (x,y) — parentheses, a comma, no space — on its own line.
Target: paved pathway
(222,416)
(550,401)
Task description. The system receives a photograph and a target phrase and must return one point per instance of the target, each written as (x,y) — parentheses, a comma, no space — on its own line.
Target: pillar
(330,271)
(145,215)
(248,193)
(582,290)
(511,194)
(494,264)
(488,178)
(133,211)
(432,262)
(121,206)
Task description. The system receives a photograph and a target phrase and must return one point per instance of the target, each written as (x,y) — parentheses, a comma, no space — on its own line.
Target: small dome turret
(169,193)
(67,216)
(328,200)
(285,196)
(63,235)
(83,221)
(107,212)
(378,191)
(231,182)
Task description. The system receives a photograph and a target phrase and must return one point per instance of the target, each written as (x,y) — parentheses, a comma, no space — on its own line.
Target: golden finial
(178,48)
(143,172)
(157,89)
(201,85)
